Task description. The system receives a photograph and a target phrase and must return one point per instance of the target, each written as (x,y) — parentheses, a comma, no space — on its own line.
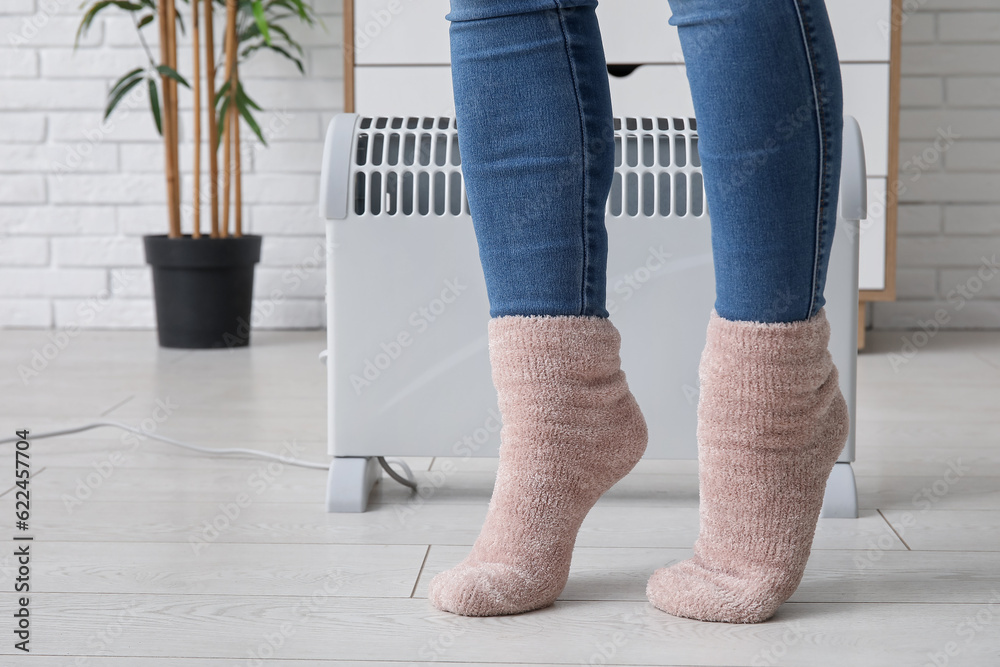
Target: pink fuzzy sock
(571,429)
(771,423)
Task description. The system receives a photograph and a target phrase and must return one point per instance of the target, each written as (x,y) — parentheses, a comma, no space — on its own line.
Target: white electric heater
(407,311)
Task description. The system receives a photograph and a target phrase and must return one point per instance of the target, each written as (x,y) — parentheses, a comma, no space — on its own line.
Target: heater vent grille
(411,166)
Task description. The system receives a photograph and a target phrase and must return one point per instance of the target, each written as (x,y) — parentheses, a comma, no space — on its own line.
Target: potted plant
(203,283)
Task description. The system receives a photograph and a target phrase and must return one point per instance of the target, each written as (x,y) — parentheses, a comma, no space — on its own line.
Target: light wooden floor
(116,576)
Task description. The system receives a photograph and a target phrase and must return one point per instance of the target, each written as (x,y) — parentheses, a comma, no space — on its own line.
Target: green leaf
(180,19)
(122,81)
(222,93)
(172,74)
(144,21)
(97,8)
(288,38)
(277,49)
(258,15)
(154,102)
(244,111)
(243,98)
(121,89)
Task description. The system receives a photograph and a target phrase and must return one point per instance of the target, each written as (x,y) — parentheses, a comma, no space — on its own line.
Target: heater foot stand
(841,499)
(350,482)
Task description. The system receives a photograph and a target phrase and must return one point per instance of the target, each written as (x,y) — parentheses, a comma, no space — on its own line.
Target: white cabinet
(866,97)
(393,32)
(412,90)
(871,273)
(652,90)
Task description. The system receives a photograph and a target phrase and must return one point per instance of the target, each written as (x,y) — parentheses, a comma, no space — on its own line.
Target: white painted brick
(969,219)
(22,95)
(18,7)
(108,189)
(919,219)
(23,282)
(22,189)
(968,187)
(974,156)
(975,314)
(111,314)
(952,5)
(921,91)
(944,251)
(295,157)
(981,282)
(267,64)
(326,63)
(18,63)
(916,283)
(280,124)
(138,220)
(291,251)
(968,124)
(307,280)
(108,65)
(979,91)
(147,157)
(16,251)
(22,127)
(128,282)
(126,124)
(98,251)
(312,37)
(120,32)
(969,26)
(289,314)
(278,189)
(57,159)
(41,29)
(951,59)
(28,313)
(286,220)
(918,28)
(299,94)
(919,155)
(57,220)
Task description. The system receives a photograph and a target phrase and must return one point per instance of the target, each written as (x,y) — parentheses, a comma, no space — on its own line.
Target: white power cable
(178,443)
(409,480)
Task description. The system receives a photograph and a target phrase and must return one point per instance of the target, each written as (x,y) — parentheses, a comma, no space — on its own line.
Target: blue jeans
(533,110)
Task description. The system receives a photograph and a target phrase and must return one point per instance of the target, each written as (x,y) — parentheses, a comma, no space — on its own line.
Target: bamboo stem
(224,228)
(196,76)
(175,143)
(166,120)
(237,158)
(229,132)
(213,129)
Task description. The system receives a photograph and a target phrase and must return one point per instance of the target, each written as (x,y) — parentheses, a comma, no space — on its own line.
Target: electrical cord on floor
(408,481)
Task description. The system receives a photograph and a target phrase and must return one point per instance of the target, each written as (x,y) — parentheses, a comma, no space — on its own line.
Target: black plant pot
(203,289)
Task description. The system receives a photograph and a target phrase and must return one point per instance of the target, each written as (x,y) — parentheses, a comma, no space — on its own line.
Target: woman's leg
(535,131)
(771,418)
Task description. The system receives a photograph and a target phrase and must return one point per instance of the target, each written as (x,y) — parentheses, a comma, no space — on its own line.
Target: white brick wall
(77,193)
(949,217)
